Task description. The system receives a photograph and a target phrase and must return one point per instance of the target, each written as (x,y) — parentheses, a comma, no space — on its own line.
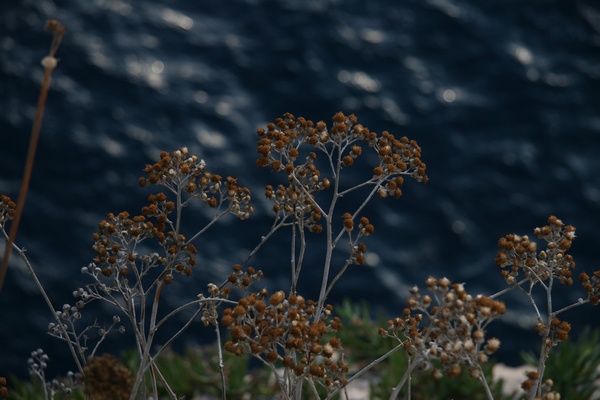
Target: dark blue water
(503,97)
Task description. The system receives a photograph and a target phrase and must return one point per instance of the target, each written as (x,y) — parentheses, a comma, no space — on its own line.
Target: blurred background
(502,96)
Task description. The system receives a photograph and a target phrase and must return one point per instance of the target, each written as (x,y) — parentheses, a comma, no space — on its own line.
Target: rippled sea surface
(503,97)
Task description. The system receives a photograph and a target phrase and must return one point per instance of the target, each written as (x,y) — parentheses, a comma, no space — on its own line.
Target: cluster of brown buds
(105,378)
(118,239)
(530,384)
(559,331)
(239,278)
(297,201)
(397,156)
(280,146)
(447,325)
(7,209)
(282,330)
(365,228)
(3,388)
(591,286)
(519,255)
(179,170)
(243,279)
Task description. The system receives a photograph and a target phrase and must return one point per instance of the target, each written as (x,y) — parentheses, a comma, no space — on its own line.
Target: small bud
(444,282)
(277,298)
(492,345)
(49,62)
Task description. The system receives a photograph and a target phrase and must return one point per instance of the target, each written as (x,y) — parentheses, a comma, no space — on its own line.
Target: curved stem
(278,223)
(221,364)
(59,323)
(49,64)
(405,377)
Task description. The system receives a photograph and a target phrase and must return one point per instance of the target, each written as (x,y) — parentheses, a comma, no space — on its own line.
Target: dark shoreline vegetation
(306,348)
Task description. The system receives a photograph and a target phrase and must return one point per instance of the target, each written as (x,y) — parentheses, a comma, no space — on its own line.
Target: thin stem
(566,308)
(221,364)
(485,384)
(545,346)
(508,289)
(311,383)
(405,377)
(207,227)
(337,277)
(172,339)
(145,359)
(191,303)
(300,260)
(50,306)
(330,244)
(49,64)
(368,367)
(99,341)
(293,257)
(179,207)
(278,223)
(166,385)
(373,181)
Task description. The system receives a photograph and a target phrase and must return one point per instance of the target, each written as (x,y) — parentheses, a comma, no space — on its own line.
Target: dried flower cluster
(7,209)
(3,388)
(558,332)
(179,170)
(365,228)
(530,386)
(284,329)
(280,147)
(591,286)
(243,279)
(447,325)
(519,255)
(240,278)
(136,256)
(119,239)
(106,379)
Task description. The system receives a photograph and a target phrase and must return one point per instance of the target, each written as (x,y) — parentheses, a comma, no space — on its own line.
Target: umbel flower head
(447,325)
(591,286)
(518,255)
(180,170)
(283,330)
(292,146)
(106,379)
(7,209)
(119,237)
